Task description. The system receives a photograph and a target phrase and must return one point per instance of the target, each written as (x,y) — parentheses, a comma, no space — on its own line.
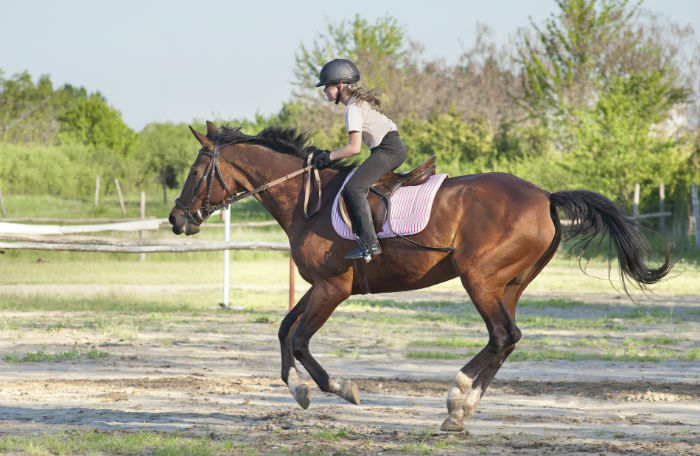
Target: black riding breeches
(386,157)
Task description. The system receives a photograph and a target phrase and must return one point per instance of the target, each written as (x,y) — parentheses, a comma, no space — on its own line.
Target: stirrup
(360,252)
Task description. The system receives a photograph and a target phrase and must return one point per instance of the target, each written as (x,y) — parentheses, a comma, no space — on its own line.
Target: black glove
(321,159)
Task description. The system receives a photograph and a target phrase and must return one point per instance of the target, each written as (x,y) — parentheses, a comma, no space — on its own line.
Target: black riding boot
(367,242)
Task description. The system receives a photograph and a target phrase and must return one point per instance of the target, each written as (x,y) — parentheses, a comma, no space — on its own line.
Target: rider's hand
(321,159)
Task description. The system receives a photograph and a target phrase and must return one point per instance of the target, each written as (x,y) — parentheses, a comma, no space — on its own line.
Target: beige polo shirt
(359,116)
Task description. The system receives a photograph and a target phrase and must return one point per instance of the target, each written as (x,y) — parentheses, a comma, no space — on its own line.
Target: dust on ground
(224,383)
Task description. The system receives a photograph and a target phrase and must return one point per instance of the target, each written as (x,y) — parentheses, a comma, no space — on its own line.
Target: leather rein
(214,172)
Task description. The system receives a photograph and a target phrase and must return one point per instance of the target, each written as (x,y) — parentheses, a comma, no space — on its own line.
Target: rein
(213,171)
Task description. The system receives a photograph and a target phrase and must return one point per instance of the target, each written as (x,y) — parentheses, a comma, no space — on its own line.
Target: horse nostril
(171,219)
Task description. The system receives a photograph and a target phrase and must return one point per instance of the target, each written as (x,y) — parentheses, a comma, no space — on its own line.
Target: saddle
(383,189)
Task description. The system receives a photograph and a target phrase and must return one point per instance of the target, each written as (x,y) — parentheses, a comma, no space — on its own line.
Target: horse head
(205,187)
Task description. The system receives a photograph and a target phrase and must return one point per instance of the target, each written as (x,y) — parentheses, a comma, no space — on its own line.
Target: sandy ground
(225,383)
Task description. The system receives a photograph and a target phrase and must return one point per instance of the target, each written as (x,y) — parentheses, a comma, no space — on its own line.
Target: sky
(180,60)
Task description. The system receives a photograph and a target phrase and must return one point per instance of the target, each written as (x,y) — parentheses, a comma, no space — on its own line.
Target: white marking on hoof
(457,397)
(471,402)
(347,390)
(457,394)
(300,390)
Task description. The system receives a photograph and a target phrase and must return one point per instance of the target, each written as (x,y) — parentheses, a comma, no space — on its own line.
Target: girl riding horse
(366,123)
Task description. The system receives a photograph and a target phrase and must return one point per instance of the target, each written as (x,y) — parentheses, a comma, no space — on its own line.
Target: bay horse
(502,231)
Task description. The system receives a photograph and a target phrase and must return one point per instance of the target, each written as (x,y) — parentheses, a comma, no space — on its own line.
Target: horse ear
(203,140)
(212,131)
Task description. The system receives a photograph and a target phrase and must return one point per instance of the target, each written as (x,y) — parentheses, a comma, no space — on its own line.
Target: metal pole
(636,200)
(226,214)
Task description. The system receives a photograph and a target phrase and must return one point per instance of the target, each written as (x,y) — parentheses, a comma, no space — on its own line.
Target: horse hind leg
(465,391)
(472,380)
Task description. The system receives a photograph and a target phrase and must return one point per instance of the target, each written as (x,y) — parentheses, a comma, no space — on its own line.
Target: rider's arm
(353,146)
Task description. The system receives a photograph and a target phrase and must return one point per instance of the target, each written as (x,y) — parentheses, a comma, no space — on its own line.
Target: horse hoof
(349,392)
(452,425)
(302,395)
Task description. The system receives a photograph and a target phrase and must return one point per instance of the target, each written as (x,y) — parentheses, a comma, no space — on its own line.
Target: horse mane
(285,140)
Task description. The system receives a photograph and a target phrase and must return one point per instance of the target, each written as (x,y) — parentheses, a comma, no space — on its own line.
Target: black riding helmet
(338,71)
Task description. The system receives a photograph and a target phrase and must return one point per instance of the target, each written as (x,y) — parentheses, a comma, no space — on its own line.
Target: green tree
(166,151)
(565,60)
(357,40)
(619,141)
(90,121)
(461,146)
(26,109)
(377,49)
(600,82)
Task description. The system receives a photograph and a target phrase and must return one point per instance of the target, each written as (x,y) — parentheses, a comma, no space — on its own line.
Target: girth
(385,187)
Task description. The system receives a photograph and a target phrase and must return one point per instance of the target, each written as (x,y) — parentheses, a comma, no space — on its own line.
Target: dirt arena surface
(223,382)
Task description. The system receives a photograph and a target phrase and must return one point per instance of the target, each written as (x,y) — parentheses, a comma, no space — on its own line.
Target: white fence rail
(138,225)
(45,237)
(144,247)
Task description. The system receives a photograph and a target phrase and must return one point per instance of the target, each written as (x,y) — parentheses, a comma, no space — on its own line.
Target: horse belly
(390,273)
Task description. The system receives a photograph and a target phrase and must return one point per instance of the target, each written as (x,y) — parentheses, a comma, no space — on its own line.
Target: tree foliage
(166,152)
(583,100)
(90,121)
(36,113)
(602,82)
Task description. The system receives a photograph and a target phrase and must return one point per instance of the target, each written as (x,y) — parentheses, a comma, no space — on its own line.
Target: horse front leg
(322,302)
(300,390)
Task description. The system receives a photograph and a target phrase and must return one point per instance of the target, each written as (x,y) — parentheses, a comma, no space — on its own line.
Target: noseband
(212,171)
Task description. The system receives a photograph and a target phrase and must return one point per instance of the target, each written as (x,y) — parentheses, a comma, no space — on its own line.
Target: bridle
(213,171)
(210,173)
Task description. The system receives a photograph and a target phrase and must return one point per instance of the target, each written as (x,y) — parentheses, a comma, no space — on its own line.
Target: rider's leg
(384,158)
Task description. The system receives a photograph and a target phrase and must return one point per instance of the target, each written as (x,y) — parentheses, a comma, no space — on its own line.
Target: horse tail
(592,214)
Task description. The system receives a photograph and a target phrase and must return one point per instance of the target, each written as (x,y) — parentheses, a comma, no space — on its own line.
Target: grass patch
(126,305)
(549,303)
(654,355)
(102,443)
(41,356)
(650,316)
(612,355)
(262,318)
(449,343)
(540,321)
(437,355)
(329,433)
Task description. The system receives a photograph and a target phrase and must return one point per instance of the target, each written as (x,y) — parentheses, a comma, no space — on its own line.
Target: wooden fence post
(119,193)
(142,213)
(662,208)
(2,204)
(635,211)
(696,213)
(97,191)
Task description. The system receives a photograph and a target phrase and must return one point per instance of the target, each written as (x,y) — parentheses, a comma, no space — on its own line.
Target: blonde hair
(370,96)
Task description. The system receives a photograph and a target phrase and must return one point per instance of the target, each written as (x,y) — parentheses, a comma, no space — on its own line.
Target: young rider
(366,123)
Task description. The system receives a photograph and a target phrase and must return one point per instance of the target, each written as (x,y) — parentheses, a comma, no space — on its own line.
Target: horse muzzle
(181,224)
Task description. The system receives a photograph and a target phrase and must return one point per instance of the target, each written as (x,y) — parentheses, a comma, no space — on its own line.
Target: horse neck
(258,165)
